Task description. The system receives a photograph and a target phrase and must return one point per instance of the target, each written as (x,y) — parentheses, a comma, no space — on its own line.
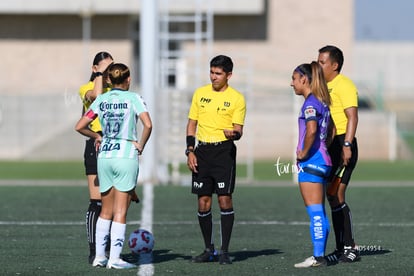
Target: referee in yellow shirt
(343,149)
(88,93)
(215,120)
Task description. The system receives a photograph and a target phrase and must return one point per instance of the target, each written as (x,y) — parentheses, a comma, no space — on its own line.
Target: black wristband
(236,135)
(187,151)
(97,74)
(190,141)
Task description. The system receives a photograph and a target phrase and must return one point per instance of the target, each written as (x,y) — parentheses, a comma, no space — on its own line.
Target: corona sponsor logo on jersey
(105,106)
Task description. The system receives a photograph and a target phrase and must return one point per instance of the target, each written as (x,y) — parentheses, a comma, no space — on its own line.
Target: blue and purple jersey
(313,109)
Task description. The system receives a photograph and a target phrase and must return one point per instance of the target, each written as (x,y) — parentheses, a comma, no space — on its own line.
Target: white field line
(264,223)
(146,268)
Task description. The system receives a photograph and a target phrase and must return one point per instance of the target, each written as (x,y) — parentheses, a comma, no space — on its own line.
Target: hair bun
(118,73)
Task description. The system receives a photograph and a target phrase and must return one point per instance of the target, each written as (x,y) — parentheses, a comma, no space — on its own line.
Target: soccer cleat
(100,261)
(334,256)
(120,264)
(206,256)
(312,262)
(134,197)
(350,255)
(224,258)
(91,258)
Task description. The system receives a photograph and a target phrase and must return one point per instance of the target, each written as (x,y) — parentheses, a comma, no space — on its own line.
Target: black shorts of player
(335,151)
(90,157)
(216,168)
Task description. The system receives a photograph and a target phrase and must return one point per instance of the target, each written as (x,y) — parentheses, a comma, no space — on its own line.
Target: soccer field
(43,232)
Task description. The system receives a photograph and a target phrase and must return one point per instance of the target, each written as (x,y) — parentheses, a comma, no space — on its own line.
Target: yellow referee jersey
(216,111)
(344,94)
(94,125)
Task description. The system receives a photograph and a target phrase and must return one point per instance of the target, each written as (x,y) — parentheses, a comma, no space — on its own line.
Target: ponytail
(318,84)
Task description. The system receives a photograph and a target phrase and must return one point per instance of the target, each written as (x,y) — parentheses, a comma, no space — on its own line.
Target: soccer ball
(141,241)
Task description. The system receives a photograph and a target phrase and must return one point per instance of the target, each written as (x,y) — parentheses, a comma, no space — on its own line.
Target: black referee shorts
(335,151)
(90,157)
(216,168)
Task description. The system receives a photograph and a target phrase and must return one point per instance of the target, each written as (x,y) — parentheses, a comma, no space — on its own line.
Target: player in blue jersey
(313,160)
(118,111)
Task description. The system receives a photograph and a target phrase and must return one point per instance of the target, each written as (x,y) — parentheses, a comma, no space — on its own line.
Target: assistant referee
(216,119)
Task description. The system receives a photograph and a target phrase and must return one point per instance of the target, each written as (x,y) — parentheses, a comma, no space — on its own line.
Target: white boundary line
(240,183)
(136,222)
(146,268)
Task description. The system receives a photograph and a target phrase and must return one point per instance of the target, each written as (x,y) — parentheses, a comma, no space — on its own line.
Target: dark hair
(98,58)
(313,71)
(335,55)
(223,62)
(305,69)
(118,73)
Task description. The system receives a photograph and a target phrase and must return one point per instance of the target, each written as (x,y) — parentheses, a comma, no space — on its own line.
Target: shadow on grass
(160,256)
(157,256)
(130,258)
(166,255)
(239,256)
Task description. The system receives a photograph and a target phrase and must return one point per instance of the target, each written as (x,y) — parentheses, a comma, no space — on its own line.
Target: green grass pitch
(43,233)
(401,170)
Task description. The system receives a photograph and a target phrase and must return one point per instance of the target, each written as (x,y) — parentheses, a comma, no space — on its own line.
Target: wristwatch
(347,144)
(187,151)
(98,74)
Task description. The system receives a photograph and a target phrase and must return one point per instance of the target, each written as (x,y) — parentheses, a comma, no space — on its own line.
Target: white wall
(122,6)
